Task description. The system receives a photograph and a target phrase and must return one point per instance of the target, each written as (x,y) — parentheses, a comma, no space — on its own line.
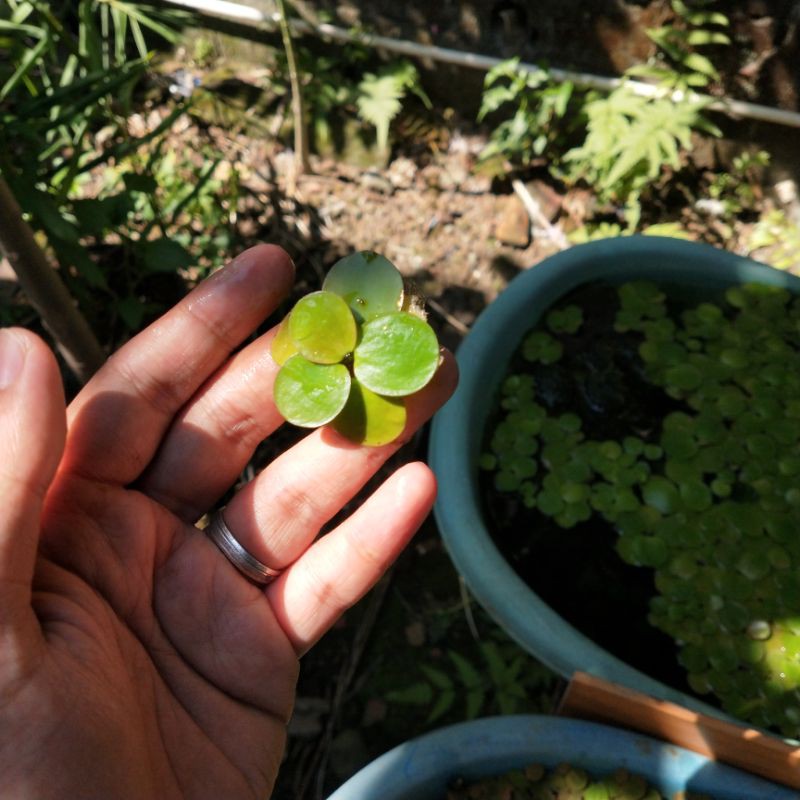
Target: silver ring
(248,565)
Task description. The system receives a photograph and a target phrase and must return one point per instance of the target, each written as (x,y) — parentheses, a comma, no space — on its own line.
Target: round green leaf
(369,283)
(540,346)
(308,394)
(696,495)
(283,346)
(370,419)
(397,355)
(678,444)
(323,328)
(566,320)
(660,493)
(684,376)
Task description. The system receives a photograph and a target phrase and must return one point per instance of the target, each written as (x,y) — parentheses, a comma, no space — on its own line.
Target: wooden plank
(592,698)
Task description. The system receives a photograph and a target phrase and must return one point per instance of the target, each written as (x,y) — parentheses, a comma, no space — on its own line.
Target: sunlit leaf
(26,64)
(701,64)
(397,355)
(309,394)
(323,327)
(283,347)
(380,96)
(369,283)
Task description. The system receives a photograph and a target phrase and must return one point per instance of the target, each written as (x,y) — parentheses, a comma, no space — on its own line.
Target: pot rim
(423,767)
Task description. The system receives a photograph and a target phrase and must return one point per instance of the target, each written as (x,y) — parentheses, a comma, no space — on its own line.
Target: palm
(143,664)
(184,690)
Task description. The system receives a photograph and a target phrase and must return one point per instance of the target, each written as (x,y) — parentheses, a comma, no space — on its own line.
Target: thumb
(32,431)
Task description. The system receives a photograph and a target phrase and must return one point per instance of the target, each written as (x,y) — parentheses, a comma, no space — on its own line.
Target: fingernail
(12,356)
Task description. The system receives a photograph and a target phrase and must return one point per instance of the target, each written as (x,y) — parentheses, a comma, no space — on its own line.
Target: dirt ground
(444,227)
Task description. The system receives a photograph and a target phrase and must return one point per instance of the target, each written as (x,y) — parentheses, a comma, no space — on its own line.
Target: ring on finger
(219,533)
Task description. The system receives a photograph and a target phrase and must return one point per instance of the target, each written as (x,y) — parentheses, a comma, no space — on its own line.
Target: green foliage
(681,64)
(775,239)
(62,81)
(737,190)
(563,782)
(190,197)
(592,232)
(501,683)
(70,74)
(707,499)
(335,87)
(538,107)
(349,354)
(380,96)
(630,140)
(627,139)
(165,210)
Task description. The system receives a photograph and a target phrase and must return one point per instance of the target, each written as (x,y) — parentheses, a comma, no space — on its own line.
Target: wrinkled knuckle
(328,595)
(294,502)
(162,395)
(369,556)
(222,328)
(235,424)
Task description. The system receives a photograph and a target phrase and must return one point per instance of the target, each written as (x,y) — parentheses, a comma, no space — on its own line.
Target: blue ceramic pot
(423,768)
(697,271)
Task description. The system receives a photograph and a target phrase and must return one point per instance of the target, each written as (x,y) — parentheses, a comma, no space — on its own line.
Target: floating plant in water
(351,353)
(564,781)
(708,498)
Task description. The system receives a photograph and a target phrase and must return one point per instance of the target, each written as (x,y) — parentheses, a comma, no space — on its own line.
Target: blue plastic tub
(696,270)
(423,768)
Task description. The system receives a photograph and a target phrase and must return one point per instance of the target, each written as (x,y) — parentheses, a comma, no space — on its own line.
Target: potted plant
(424,768)
(694,274)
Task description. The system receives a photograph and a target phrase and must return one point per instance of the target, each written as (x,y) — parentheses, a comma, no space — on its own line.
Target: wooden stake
(45,290)
(592,698)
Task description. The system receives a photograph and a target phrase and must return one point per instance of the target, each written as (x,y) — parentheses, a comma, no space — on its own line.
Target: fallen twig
(538,219)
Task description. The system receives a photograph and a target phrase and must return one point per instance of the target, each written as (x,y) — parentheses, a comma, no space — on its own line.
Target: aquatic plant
(351,353)
(707,497)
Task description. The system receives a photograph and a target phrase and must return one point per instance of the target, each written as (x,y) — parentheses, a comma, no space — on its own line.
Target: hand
(135,660)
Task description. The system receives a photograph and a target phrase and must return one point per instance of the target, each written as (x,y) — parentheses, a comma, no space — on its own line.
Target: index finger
(117,421)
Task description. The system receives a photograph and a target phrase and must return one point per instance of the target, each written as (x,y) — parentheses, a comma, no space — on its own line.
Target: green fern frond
(644,147)
(381,95)
(630,139)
